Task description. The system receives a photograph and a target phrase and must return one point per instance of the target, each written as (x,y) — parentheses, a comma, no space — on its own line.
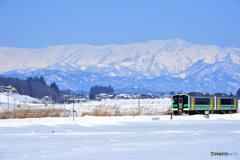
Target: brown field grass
(33,112)
(103,110)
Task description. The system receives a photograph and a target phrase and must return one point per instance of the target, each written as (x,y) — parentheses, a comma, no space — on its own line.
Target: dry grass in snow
(27,112)
(103,110)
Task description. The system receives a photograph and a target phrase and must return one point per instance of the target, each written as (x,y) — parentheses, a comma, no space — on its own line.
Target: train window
(202,101)
(175,100)
(185,100)
(226,102)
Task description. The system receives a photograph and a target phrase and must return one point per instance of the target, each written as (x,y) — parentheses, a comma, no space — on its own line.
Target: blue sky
(45,23)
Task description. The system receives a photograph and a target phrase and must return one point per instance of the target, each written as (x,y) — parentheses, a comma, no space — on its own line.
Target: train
(198,103)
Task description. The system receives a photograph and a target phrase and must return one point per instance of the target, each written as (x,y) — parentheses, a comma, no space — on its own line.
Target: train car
(198,103)
(225,103)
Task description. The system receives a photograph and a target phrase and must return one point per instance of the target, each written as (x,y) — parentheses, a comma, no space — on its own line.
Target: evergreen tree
(92,94)
(32,87)
(54,86)
(101,89)
(29,79)
(110,89)
(171,93)
(36,79)
(56,91)
(42,80)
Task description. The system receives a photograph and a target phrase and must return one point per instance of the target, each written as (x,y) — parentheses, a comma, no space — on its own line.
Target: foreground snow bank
(125,137)
(91,121)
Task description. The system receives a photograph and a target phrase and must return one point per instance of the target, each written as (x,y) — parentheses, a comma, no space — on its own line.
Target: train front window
(175,100)
(185,100)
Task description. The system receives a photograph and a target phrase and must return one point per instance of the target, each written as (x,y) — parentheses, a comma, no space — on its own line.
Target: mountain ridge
(136,61)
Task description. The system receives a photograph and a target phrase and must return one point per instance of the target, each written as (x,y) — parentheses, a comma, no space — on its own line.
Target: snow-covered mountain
(155,65)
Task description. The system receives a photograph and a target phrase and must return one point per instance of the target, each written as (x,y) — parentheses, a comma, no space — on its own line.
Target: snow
(183,137)
(120,137)
(175,55)
(182,75)
(17,99)
(112,74)
(124,64)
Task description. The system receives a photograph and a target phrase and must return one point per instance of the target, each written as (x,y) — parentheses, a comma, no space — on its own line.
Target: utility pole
(8,99)
(73,108)
(139,103)
(64,106)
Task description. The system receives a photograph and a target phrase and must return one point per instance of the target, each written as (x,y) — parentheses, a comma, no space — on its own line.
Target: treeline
(32,86)
(95,90)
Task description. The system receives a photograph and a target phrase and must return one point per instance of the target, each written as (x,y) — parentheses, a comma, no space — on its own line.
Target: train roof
(224,95)
(207,94)
(195,93)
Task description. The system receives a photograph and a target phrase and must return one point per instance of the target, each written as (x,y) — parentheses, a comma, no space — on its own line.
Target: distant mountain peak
(147,61)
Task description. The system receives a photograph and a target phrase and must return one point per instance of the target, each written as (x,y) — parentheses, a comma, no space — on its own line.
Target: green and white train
(197,103)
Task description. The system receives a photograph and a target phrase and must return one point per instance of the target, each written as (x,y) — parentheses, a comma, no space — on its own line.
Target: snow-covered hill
(155,65)
(14,100)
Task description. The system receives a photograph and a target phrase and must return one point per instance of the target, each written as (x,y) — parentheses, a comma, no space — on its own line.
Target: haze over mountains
(156,65)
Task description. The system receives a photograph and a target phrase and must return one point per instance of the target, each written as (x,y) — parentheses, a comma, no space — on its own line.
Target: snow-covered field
(23,100)
(125,137)
(120,137)
(127,106)
(153,106)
